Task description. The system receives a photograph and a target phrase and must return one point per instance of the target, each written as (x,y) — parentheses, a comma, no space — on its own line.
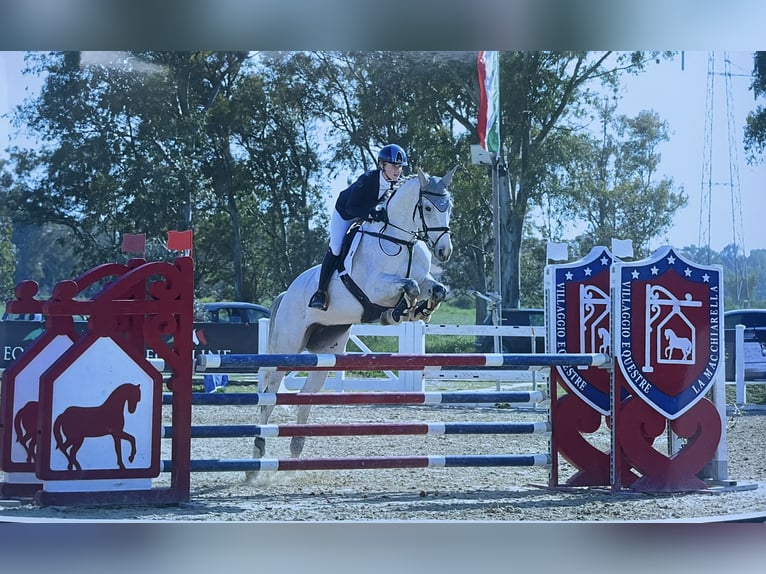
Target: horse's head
(132,396)
(425,203)
(435,207)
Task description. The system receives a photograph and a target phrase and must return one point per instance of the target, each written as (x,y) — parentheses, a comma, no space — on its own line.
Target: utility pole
(732,183)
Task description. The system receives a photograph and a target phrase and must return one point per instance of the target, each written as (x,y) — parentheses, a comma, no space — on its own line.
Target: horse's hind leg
(329,340)
(272,380)
(72,453)
(313,384)
(29,443)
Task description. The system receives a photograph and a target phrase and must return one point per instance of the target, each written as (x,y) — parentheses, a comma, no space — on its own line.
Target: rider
(361,200)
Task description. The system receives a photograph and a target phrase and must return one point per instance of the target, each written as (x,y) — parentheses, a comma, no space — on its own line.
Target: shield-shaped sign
(667,326)
(579,322)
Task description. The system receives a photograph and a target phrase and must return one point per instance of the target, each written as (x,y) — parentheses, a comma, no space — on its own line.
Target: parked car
(754,349)
(518,318)
(235,312)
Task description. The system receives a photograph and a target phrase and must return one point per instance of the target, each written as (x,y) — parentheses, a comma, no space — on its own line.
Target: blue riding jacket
(356,201)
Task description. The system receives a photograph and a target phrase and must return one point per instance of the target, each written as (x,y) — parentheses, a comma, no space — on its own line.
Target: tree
(7,260)
(543,94)
(427,103)
(7,252)
(755,126)
(239,147)
(610,183)
(154,141)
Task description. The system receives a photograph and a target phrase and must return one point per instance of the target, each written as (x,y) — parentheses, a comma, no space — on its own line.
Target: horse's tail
(18,425)
(57,432)
(273,317)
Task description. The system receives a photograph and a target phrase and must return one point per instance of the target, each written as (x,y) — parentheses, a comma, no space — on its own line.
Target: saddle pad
(348,260)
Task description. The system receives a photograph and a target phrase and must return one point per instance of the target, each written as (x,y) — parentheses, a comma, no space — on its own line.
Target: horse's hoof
(411,289)
(439,293)
(387,318)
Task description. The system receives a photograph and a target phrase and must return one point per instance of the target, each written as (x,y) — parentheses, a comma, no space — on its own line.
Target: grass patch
(755,394)
(449,313)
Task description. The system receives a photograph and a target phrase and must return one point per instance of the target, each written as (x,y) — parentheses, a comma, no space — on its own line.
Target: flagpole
(497,165)
(490,141)
(498,284)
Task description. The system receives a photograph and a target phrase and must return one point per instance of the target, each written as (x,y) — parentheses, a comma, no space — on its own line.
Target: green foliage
(755,123)
(744,278)
(173,140)
(7,260)
(755,394)
(610,183)
(451,312)
(239,147)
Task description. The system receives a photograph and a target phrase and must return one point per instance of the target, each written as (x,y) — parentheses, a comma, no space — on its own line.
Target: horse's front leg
(132,440)
(117,438)
(437,293)
(410,290)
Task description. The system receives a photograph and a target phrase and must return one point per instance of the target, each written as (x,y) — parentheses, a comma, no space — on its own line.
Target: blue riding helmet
(393,153)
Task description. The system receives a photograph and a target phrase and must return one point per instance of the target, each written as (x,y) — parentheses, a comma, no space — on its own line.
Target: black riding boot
(319,299)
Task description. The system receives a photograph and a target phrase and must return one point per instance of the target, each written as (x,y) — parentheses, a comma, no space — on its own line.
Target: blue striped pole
(360,463)
(393,361)
(363,429)
(371,398)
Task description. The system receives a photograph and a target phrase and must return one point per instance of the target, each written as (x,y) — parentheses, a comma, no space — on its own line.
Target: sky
(677,91)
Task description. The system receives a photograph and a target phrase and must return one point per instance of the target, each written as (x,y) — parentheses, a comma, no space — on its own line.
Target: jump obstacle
(362,429)
(383,361)
(170,298)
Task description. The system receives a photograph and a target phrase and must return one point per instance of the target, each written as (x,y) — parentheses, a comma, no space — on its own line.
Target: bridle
(424,234)
(421,233)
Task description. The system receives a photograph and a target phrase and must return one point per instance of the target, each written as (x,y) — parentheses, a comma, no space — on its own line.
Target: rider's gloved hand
(378,213)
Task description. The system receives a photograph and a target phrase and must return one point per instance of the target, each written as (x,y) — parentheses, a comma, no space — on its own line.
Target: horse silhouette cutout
(675,342)
(75,424)
(25,425)
(606,340)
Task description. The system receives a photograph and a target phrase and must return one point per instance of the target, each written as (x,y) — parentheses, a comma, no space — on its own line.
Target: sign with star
(579,322)
(668,328)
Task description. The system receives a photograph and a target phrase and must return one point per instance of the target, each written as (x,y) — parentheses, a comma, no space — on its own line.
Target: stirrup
(319,301)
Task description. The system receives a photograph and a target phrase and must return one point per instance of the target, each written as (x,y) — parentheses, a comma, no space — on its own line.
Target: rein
(421,234)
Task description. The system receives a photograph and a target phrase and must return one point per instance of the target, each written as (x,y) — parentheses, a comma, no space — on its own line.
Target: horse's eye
(429,208)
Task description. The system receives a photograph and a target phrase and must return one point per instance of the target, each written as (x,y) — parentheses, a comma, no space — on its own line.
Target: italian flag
(489,101)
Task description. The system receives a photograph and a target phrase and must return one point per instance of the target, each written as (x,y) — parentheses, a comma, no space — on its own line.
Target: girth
(371,311)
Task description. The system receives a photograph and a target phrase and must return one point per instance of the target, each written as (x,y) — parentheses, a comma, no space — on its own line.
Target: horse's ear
(447,179)
(423,178)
